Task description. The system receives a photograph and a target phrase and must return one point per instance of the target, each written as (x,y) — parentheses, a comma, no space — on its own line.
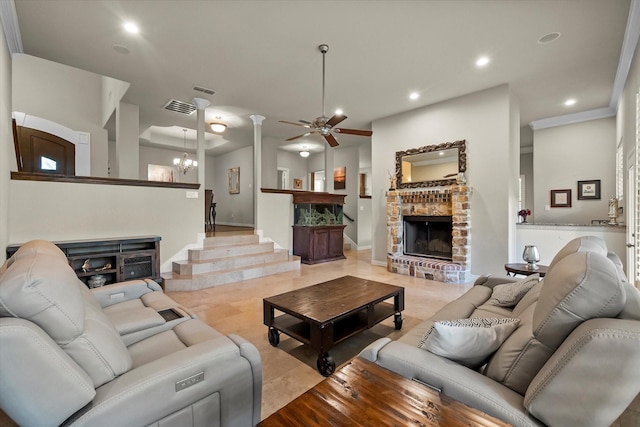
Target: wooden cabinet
(318,229)
(105,261)
(318,244)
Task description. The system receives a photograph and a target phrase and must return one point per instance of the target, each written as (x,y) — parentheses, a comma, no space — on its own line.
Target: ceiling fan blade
(331,140)
(300,136)
(359,132)
(337,118)
(306,122)
(295,124)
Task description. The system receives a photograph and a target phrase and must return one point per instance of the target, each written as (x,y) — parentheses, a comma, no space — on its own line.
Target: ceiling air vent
(179,107)
(204,89)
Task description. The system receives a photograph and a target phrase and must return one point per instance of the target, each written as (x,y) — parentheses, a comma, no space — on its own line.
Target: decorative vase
(524,218)
(531,256)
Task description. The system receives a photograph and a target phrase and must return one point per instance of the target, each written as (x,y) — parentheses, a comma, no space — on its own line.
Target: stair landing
(228,259)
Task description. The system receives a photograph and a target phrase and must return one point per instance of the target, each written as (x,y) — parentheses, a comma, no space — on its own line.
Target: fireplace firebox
(428,236)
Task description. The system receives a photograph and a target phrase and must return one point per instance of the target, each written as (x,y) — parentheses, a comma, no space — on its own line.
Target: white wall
(298,168)
(269,163)
(484,120)
(7,152)
(564,155)
(69,211)
(348,157)
(526,169)
(62,94)
(234,209)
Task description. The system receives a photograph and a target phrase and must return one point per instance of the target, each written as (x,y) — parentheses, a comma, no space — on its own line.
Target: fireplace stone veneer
(451,201)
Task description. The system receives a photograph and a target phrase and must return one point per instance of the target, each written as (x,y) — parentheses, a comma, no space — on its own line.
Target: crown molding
(583,116)
(629,44)
(9,19)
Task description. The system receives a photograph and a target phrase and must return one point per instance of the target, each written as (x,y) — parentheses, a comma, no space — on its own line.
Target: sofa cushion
(581,286)
(468,341)
(510,294)
(40,286)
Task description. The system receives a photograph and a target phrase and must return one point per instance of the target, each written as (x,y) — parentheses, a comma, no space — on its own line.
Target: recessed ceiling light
(414,95)
(121,49)
(569,102)
(548,38)
(482,61)
(339,112)
(131,27)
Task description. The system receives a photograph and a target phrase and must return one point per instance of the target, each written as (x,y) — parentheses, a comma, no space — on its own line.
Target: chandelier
(184,164)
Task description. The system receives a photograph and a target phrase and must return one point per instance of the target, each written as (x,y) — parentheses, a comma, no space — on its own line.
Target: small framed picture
(561,198)
(589,190)
(297,184)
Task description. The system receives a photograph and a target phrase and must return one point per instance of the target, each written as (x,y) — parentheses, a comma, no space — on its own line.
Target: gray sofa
(573,359)
(121,355)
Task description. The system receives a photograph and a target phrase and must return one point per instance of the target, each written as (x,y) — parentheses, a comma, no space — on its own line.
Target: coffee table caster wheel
(326,365)
(397,321)
(274,337)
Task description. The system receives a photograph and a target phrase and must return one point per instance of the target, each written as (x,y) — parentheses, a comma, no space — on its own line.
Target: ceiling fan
(324,125)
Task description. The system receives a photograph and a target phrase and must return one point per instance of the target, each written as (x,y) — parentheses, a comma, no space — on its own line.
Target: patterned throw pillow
(509,294)
(468,341)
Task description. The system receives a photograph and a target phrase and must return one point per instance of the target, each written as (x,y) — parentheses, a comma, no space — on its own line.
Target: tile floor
(288,370)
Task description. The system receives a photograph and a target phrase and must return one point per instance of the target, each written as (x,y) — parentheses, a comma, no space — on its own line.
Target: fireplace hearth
(428,236)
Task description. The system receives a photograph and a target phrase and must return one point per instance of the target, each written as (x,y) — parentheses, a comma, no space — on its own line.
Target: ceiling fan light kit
(323,125)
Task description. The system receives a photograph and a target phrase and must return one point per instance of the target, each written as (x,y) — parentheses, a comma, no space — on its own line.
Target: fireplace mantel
(449,201)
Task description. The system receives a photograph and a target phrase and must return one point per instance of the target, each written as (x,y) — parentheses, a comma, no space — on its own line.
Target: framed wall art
(234,180)
(561,198)
(589,190)
(339,178)
(297,184)
(161,173)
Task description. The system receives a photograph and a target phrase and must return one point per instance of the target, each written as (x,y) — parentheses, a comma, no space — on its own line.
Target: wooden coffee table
(325,314)
(365,394)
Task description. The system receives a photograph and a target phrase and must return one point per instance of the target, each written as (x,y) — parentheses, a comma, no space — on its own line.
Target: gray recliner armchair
(70,356)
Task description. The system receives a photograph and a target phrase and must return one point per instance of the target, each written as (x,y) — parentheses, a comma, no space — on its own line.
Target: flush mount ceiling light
(414,95)
(570,102)
(304,152)
(184,164)
(218,127)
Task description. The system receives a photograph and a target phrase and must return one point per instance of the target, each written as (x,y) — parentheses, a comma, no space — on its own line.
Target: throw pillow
(510,294)
(468,341)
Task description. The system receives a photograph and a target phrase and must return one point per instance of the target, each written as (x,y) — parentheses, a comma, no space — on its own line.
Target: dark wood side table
(521,268)
(365,394)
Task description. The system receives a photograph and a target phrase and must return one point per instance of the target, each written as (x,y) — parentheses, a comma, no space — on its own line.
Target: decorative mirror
(431,166)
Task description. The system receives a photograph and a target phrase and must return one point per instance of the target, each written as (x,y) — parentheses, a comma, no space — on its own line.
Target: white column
(127,143)
(328,168)
(257,163)
(201,104)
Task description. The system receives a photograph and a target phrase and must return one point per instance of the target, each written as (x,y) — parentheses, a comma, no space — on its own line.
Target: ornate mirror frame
(461,145)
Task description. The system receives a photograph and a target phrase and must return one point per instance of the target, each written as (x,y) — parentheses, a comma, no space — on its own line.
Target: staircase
(228,259)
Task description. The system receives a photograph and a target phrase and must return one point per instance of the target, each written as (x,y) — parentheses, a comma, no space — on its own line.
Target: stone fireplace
(428,233)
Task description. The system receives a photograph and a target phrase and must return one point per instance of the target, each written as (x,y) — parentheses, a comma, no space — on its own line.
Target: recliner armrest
(148,393)
(456,381)
(490,281)
(124,291)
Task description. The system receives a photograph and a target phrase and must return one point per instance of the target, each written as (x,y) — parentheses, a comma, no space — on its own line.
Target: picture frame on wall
(561,198)
(339,178)
(589,190)
(297,184)
(234,180)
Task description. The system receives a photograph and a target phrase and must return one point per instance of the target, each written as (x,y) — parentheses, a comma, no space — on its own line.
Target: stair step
(176,282)
(229,251)
(236,239)
(190,267)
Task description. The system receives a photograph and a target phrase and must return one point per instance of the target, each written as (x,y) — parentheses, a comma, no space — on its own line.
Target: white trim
(9,19)
(583,116)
